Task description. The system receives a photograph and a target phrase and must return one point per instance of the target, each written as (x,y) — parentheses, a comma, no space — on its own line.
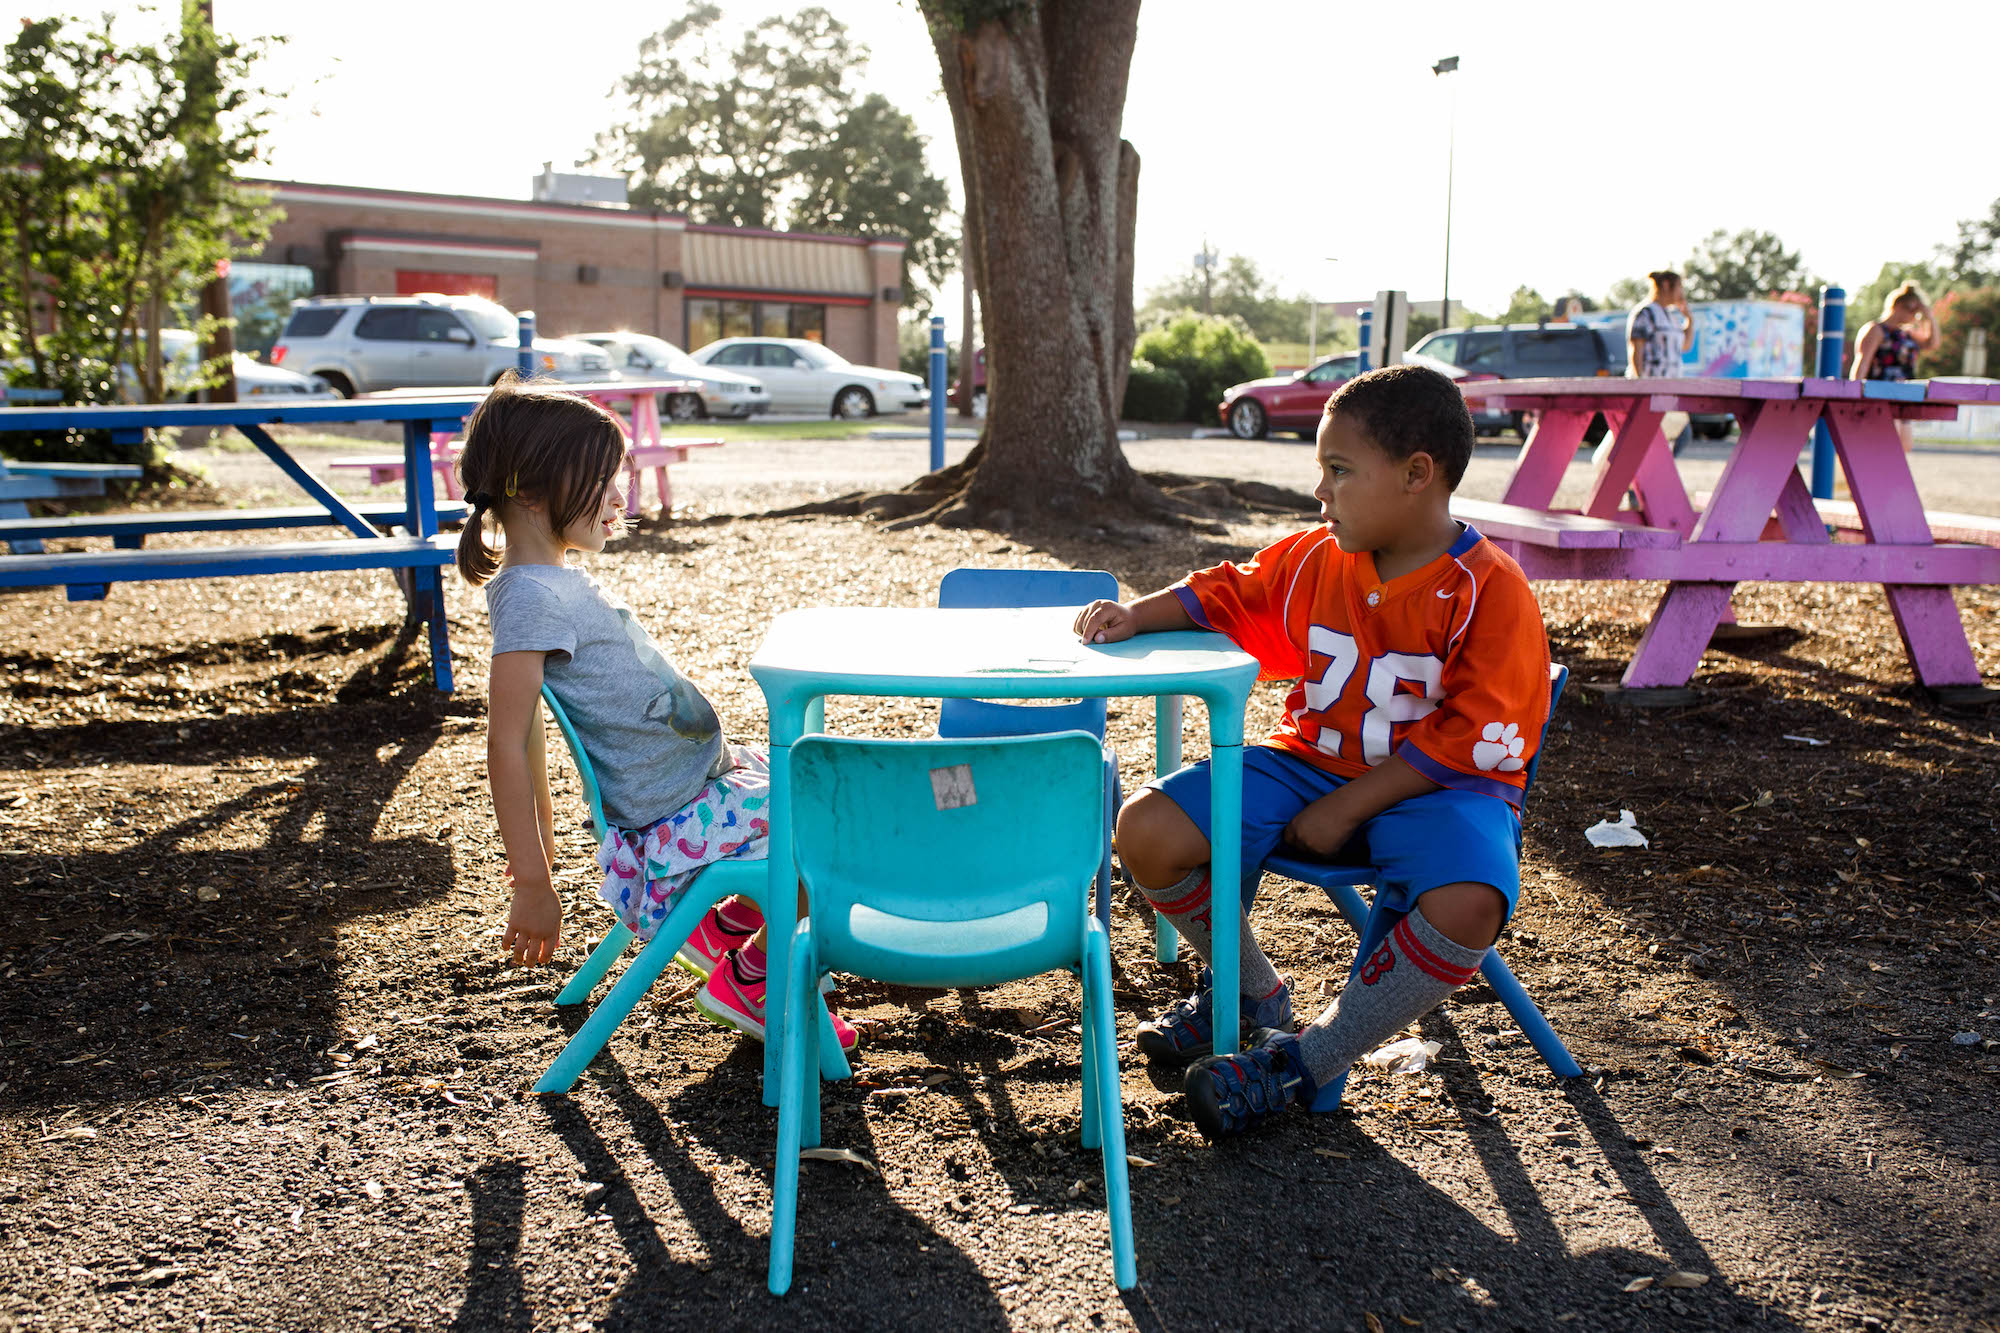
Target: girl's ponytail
(477,561)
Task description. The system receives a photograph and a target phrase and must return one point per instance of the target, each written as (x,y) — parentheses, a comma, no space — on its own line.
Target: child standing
(545,465)
(1423,684)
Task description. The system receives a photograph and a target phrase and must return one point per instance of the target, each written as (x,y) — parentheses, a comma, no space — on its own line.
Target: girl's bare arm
(517,772)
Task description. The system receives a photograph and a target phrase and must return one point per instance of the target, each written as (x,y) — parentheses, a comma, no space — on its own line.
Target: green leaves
(118,195)
(772,129)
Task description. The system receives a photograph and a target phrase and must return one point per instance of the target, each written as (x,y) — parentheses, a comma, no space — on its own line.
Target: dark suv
(1522,352)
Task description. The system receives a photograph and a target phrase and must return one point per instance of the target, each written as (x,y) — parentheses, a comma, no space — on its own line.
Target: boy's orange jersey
(1446,667)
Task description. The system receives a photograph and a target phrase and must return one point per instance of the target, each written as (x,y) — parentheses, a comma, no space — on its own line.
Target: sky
(1585,141)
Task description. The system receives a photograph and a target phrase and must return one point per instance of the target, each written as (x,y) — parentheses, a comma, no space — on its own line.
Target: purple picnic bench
(1761,523)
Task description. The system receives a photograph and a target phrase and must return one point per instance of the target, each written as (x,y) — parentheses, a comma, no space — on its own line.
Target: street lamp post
(1449,65)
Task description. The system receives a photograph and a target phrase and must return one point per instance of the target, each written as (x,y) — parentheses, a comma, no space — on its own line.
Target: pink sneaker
(735,1001)
(713,938)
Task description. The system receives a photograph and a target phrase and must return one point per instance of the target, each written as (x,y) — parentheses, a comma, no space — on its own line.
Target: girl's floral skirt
(646,871)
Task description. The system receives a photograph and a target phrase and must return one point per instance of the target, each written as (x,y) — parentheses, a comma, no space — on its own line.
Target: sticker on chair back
(952,787)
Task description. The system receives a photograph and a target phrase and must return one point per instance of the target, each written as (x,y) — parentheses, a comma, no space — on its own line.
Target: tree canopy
(1237,290)
(119,195)
(1743,265)
(773,129)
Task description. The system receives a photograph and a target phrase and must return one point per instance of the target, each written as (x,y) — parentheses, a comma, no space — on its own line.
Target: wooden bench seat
(1973,529)
(130,530)
(88,574)
(1558,529)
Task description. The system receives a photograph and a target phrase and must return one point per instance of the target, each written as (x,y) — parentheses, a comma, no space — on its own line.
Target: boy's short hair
(1408,410)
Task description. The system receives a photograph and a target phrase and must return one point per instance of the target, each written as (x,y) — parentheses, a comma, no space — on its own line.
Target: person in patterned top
(1422,675)
(1887,348)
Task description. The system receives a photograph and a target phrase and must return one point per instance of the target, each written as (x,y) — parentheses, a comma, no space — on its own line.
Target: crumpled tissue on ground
(1624,833)
(1411,1055)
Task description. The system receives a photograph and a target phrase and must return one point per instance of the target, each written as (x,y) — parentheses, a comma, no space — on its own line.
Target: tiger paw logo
(1499,746)
(1383,961)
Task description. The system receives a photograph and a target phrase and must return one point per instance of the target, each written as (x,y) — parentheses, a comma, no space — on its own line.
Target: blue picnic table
(87,575)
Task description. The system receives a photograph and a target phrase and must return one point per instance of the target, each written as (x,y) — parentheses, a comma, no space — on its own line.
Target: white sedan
(802,376)
(723,393)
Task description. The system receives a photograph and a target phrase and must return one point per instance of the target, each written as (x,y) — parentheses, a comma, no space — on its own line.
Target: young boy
(1423,686)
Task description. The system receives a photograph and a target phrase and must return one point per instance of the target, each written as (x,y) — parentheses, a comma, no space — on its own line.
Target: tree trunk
(1037,97)
(968,334)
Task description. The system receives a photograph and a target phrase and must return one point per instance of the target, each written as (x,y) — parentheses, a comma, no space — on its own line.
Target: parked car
(802,376)
(720,393)
(255,381)
(1519,352)
(1286,402)
(359,344)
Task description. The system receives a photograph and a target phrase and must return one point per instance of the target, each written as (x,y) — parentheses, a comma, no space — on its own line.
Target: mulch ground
(262,1066)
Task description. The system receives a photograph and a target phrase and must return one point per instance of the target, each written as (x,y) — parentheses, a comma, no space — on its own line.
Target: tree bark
(1037,96)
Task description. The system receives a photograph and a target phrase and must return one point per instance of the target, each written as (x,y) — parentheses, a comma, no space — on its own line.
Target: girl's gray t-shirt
(653,739)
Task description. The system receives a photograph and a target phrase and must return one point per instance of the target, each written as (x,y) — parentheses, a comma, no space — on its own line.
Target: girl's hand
(1106,622)
(534,923)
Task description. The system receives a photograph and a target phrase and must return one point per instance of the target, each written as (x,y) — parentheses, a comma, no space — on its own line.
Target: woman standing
(1656,334)
(1888,347)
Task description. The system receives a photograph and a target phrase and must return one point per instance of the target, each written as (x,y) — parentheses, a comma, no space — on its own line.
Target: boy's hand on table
(1106,622)
(1322,828)
(534,922)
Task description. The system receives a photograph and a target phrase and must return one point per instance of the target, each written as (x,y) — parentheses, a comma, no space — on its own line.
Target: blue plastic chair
(948,863)
(989,588)
(1373,927)
(722,880)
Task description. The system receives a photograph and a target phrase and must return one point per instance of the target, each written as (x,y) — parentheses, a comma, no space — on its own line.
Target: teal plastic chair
(987,588)
(722,880)
(948,863)
(1372,927)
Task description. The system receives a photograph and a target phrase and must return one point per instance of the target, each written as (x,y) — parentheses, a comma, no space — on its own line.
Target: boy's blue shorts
(1442,837)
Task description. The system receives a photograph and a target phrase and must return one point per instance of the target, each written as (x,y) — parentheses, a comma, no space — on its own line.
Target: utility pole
(1449,65)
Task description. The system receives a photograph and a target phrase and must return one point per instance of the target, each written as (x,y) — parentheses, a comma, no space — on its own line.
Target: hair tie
(479,500)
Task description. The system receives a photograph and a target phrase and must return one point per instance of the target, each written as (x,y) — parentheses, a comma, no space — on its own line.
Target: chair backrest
(988,588)
(1558,677)
(948,862)
(585,774)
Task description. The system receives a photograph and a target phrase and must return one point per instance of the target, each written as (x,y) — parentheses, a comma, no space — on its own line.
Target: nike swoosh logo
(1444,592)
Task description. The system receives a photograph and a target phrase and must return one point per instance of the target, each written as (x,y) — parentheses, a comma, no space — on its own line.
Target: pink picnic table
(638,400)
(1759,524)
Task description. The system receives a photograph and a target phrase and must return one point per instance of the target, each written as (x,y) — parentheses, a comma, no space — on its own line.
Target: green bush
(1209,354)
(1154,393)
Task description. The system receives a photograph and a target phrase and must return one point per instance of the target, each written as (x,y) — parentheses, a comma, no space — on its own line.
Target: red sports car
(1286,402)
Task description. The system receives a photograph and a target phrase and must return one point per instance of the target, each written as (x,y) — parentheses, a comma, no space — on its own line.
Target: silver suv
(359,344)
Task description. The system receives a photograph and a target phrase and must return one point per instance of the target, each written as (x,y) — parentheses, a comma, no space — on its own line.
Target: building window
(710,318)
(412,282)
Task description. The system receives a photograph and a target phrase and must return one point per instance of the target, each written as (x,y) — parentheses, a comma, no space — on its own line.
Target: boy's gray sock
(1415,968)
(1186,905)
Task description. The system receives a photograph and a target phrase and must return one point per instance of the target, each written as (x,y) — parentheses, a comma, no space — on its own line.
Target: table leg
(1750,488)
(342,512)
(781,901)
(1635,432)
(1166,759)
(1892,513)
(1545,457)
(646,433)
(1225,794)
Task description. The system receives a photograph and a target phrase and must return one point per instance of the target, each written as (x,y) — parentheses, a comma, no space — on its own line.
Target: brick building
(584,267)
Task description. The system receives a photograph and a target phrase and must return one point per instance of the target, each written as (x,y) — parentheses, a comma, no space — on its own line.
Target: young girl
(545,466)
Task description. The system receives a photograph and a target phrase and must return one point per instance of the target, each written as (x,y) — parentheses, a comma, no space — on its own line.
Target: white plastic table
(932,652)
